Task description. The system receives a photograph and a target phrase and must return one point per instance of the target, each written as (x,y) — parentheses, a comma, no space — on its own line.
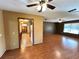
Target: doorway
(26,32)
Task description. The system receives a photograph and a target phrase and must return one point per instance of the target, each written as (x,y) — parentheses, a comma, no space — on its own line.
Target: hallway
(54,47)
(25,32)
(26,40)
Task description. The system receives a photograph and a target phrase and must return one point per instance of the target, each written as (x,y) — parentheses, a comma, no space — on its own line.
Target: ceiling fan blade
(50,0)
(72,10)
(31,5)
(50,6)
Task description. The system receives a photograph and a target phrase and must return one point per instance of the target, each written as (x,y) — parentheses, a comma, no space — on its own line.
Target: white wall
(2,39)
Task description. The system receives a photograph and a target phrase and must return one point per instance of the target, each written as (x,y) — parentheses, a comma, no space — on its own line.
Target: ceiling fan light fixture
(38,7)
(44,7)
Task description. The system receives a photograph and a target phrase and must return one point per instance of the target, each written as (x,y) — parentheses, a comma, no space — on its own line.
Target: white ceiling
(62,6)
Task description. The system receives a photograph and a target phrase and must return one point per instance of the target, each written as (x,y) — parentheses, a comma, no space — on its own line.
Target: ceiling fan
(73,10)
(42,4)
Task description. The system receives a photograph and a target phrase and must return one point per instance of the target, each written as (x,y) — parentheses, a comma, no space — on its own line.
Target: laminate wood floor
(54,47)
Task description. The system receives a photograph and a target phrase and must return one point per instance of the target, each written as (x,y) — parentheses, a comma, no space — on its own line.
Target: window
(71,28)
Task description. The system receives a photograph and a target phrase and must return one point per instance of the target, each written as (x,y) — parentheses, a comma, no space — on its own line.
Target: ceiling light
(60,20)
(26,20)
(21,22)
(24,24)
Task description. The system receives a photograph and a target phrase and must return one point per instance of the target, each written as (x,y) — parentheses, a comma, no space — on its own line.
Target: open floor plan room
(39,29)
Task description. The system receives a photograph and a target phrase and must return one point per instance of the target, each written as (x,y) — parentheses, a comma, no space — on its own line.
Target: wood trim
(18,34)
(19,38)
(73,21)
(33,32)
(25,18)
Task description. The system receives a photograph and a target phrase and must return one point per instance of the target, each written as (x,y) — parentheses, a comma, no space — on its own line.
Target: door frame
(19,39)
